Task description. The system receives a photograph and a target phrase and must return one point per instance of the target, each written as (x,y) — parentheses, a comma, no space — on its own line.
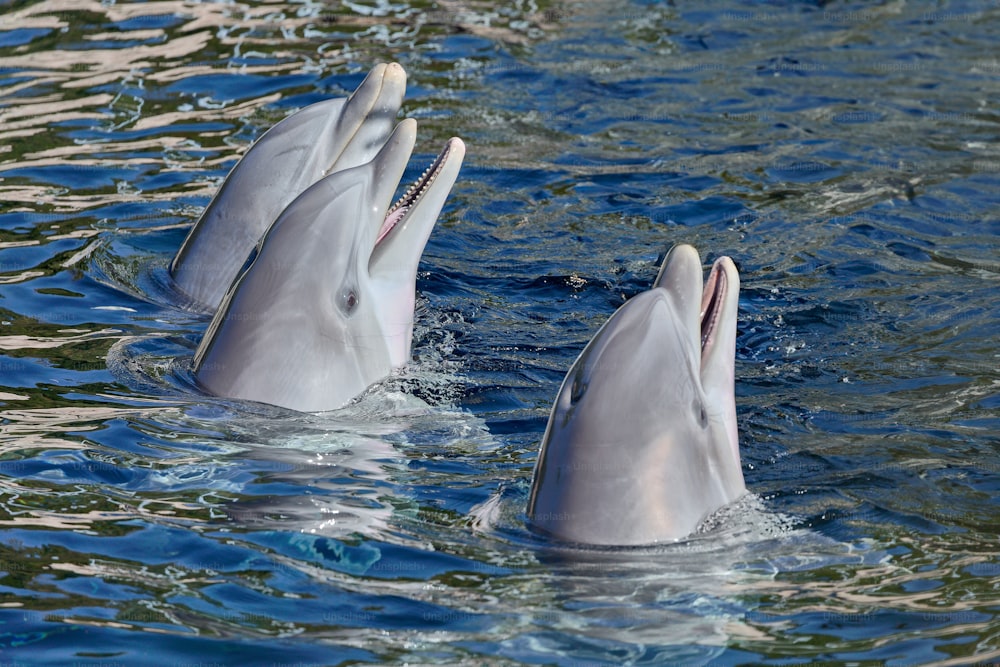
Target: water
(844,156)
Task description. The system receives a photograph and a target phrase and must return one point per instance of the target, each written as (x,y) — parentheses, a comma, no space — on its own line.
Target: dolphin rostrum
(325,309)
(317,140)
(641,444)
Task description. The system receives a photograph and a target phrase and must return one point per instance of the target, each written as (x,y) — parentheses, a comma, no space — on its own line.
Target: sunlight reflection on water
(843,159)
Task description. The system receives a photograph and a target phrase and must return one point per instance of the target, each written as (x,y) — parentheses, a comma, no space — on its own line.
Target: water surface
(845,157)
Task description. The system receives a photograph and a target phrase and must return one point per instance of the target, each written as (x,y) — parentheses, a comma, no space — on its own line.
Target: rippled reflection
(843,156)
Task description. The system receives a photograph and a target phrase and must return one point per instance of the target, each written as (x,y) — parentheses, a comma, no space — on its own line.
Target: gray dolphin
(325,309)
(322,138)
(641,444)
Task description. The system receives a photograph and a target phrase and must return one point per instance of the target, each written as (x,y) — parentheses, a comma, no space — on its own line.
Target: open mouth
(712,298)
(398,211)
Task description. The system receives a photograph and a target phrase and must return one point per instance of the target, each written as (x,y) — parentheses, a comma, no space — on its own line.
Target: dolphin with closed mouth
(641,444)
(325,309)
(315,141)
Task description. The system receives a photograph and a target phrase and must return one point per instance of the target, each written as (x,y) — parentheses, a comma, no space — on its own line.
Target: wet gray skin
(641,444)
(325,309)
(318,140)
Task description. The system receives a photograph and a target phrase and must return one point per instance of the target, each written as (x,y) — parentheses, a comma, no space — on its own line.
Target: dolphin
(317,140)
(325,309)
(641,444)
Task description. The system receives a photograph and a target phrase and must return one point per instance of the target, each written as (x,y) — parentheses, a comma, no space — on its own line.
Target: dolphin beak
(709,316)
(368,115)
(719,303)
(680,276)
(708,311)
(719,306)
(410,220)
(387,170)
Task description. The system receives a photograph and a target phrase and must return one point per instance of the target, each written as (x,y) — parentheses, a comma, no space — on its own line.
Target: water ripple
(844,157)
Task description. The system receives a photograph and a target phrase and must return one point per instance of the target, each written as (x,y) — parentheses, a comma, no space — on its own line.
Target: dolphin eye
(578,389)
(349,300)
(699,410)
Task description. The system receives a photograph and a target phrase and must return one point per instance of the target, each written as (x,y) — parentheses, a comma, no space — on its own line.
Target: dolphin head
(318,140)
(325,308)
(641,443)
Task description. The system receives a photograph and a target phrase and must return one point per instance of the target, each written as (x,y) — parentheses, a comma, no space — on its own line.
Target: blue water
(845,156)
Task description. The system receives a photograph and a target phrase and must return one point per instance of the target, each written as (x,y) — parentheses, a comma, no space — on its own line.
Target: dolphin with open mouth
(641,444)
(315,141)
(325,309)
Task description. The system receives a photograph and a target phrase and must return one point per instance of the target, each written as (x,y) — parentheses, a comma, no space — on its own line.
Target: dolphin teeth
(413,193)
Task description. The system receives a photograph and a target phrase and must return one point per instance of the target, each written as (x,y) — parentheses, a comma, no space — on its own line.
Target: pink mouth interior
(412,195)
(390,222)
(711,306)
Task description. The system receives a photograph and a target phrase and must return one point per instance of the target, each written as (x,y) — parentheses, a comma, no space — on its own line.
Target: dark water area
(845,156)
